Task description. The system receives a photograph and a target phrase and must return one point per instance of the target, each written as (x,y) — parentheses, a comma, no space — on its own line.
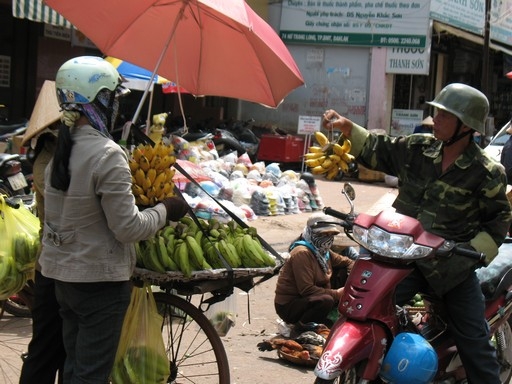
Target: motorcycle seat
(492,293)
(5,157)
(8,128)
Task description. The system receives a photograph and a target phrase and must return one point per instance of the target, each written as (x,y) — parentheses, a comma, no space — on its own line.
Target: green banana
(164,257)
(150,256)
(196,254)
(138,255)
(253,257)
(181,257)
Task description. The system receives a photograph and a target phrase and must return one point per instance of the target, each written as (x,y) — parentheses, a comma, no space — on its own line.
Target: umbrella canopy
(137,77)
(209,47)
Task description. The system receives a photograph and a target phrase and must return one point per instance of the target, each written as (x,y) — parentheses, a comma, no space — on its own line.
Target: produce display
(329,158)
(17,267)
(151,173)
(186,248)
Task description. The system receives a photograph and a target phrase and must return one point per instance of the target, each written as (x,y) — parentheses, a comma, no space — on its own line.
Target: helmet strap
(457,135)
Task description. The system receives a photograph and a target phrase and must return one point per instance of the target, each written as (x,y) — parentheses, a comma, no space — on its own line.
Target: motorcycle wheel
(347,377)
(16,307)
(503,341)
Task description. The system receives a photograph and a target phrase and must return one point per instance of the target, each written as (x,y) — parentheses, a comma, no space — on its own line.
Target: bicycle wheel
(14,336)
(195,350)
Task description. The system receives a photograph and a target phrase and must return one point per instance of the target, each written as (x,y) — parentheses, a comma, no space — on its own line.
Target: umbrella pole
(144,96)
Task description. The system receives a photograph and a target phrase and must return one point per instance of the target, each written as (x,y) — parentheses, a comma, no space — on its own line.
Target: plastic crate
(281,149)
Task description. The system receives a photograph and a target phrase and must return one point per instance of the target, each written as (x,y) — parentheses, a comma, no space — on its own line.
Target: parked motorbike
(360,342)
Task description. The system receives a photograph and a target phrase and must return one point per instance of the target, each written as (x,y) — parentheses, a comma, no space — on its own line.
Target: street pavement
(256,318)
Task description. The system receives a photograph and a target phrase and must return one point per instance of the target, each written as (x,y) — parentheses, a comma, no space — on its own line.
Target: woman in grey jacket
(91,220)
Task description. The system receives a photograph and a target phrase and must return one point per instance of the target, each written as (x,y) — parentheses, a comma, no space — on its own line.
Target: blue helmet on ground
(410,360)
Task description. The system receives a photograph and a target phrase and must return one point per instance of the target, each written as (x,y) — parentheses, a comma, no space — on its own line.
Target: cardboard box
(281,149)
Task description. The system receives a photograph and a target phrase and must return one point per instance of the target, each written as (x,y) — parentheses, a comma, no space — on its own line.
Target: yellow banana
(334,158)
(318,170)
(315,149)
(137,190)
(160,178)
(149,152)
(311,163)
(338,149)
(134,165)
(309,156)
(327,163)
(346,146)
(142,200)
(321,138)
(140,177)
(144,163)
(147,184)
(137,153)
(332,173)
(151,175)
(347,157)
(343,166)
(155,162)
(169,174)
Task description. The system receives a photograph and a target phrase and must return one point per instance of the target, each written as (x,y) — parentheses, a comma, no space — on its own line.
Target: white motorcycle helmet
(80,79)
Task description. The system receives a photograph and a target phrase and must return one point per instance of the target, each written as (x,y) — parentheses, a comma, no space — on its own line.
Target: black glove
(176,208)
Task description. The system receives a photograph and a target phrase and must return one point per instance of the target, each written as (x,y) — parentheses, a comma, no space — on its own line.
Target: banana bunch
(17,268)
(141,365)
(151,173)
(185,248)
(329,158)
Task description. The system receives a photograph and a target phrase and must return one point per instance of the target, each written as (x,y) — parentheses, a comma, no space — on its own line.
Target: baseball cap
(321,223)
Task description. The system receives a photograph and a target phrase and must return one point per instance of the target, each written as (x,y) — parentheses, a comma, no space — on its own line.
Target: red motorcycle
(371,327)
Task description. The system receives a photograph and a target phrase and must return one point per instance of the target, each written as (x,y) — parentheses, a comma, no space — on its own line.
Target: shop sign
(56,32)
(359,23)
(463,14)
(403,121)
(408,61)
(501,21)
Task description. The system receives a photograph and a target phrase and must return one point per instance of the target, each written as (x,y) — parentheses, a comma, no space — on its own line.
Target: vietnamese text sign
(403,121)
(365,23)
(309,125)
(408,61)
(463,14)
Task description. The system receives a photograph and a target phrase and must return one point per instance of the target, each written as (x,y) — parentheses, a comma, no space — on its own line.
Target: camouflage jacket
(467,203)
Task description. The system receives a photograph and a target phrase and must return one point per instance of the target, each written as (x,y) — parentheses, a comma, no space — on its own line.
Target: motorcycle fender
(349,344)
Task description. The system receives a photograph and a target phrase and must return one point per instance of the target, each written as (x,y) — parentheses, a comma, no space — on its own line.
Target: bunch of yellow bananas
(151,172)
(329,158)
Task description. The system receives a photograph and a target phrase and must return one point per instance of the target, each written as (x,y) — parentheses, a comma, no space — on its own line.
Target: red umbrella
(208,47)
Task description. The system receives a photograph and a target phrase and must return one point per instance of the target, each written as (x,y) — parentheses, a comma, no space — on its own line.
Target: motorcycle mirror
(349,191)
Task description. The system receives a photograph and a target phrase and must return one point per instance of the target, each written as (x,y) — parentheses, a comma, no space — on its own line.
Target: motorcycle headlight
(390,245)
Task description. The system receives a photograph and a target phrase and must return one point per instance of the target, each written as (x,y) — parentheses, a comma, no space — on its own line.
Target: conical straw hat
(428,121)
(45,112)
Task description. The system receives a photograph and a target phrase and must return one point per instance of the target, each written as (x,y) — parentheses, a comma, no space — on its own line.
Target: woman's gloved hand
(176,208)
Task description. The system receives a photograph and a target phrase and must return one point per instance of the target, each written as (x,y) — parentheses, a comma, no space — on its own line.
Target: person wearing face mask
(303,291)
(456,191)
(91,220)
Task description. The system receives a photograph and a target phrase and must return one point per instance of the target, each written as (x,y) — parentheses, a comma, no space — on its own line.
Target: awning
(440,28)
(34,10)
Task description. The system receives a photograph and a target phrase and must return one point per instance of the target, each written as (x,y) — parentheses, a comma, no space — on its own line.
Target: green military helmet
(467,103)
(79,80)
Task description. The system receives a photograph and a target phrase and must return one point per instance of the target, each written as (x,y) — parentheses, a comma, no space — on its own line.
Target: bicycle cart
(194,348)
